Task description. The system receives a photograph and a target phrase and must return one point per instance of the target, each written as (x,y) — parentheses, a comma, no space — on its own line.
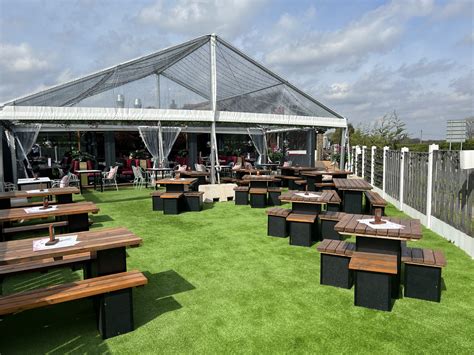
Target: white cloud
(454,8)
(375,32)
(225,17)
(20,58)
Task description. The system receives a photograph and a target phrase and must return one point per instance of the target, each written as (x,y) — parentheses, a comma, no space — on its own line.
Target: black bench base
(327,230)
(302,234)
(423,282)
(258,200)
(277,227)
(335,271)
(241,198)
(193,203)
(157,203)
(273,199)
(373,290)
(171,205)
(115,313)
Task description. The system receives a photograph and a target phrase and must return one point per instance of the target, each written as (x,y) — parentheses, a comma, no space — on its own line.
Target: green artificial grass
(218,284)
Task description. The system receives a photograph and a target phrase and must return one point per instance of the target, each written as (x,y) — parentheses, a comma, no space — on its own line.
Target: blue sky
(361,58)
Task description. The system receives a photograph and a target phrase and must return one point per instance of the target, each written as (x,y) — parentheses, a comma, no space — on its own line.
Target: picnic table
(40,181)
(311,202)
(94,172)
(62,195)
(259,181)
(239,173)
(314,177)
(75,214)
(199,175)
(108,245)
(177,184)
(351,191)
(295,170)
(380,240)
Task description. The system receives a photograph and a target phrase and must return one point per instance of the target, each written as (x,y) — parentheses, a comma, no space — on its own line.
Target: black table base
(335,271)
(305,208)
(352,202)
(78,222)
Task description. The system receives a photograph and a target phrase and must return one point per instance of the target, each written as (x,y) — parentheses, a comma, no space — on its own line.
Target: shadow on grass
(96,198)
(155,298)
(101,218)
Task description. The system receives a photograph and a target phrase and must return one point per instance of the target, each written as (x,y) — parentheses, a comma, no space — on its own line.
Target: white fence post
(429,189)
(384,170)
(356,159)
(402,175)
(363,161)
(372,164)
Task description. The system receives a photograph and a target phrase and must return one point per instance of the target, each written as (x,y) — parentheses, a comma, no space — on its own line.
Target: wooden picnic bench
(76,215)
(115,307)
(335,258)
(62,195)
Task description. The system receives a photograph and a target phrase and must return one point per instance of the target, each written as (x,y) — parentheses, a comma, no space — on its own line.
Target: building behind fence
(429,186)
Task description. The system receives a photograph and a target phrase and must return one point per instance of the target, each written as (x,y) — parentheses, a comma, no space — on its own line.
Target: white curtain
(259,142)
(169,135)
(24,141)
(151,139)
(159,141)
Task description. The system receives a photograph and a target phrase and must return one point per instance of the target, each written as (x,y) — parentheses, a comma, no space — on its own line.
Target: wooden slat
(341,248)
(373,262)
(440,260)
(50,192)
(333,246)
(323,245)
(428,257)
(301,218)
(406,254)
(71,291)
(417,255)
(18,251)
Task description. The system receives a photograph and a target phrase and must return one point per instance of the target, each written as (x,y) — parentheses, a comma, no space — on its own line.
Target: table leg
(109,261)
(67,198)
(305,208)
(5,204)
(78,222)
(352,202)
(383,246)
(95,182)
(80,184)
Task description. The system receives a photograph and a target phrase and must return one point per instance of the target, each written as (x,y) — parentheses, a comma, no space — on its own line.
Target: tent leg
(343,149)
(213,153)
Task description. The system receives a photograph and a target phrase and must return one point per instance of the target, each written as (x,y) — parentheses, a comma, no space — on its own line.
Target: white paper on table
(386,225)
(66,241)
(36,191)
(40,209)
(309,195)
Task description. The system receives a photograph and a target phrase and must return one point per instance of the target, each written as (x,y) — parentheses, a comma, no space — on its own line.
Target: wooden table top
(39,193)
(326,196)
(352,184)
(298,168)
(89,171)
(373,262)
(181,181)
(325,172)
(349,225)
(17,251)
(33,180)
(251,171)
(159,169)
(259,177)
(194,173)
(15,214)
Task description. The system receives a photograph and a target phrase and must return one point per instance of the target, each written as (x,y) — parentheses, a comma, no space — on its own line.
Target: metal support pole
(429,189)
(213,106)
(310,146)
(384,169)
(402,175)
(372,164)
(158,91)
(342,160)
(2,174)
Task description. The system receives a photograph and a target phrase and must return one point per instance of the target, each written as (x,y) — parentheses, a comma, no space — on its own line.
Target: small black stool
(373,274)
(335,258)
(277,222)
(302,229)
(157,202)
(241,195)
(193,201)
(273,194)
(171,202)
(258,197)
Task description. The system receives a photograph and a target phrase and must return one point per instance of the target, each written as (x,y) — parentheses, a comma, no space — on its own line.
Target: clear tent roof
(180,77)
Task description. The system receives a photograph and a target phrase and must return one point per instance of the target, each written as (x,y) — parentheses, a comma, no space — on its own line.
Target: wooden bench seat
(335,258)
(423,268)
(373,274)
(325,185)
(374,200)
(278,212)
(115,301)
(258,191)
(33,227)
(302,218)
(171,195)
(241,188)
